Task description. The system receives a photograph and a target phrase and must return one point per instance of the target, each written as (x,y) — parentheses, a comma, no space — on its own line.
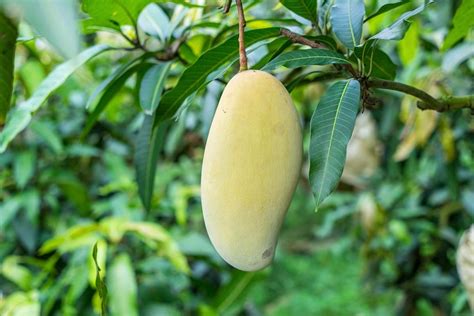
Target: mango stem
(242,53)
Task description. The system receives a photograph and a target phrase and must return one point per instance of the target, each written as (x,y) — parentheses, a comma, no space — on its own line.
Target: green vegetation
(103,125)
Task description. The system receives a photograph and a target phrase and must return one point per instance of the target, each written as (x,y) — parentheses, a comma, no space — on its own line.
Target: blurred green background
(383,243)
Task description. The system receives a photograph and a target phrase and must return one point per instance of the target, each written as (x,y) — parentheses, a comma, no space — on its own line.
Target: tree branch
(243,55)
(427,101)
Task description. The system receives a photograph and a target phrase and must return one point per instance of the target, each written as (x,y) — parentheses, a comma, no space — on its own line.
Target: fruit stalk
(242,53)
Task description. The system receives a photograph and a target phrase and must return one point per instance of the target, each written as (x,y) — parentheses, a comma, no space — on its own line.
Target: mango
(251,166)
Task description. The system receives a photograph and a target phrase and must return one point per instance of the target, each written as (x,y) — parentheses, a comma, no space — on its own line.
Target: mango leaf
(99,282)
(152,86)
(376,62)
(385,8)
(8,34)
(109,88)
(463,21)
(275,48)
(457,55)
(154,21)
(331,128)
(12,270)
(112,13)
(206,68)
(24,167)
(149,142)
(65,39)
(324,39)
(397,30)
(49,134)
(304,8)
(347,18)
(409,46)
(307,57)
(19,117)
(323,12)
(122,287)
(234,291)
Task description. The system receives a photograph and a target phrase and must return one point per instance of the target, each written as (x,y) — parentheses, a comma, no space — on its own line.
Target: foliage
(101,154)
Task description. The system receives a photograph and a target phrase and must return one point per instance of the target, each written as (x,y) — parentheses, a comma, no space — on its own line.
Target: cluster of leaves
(67,182)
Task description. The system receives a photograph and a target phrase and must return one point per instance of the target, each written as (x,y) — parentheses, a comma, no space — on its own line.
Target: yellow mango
(250,170)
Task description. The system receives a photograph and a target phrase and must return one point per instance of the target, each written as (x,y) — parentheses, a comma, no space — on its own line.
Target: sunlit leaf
(331,129)
(385,8)
(112,13)
(122,287)
(347,18)
(154,21)
(12,270)
(409,46)
(463,21)
(99,281)
(18,118)
(397,30)
(65,39)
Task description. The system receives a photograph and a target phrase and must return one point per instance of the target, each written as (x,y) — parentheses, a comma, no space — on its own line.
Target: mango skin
(251,167)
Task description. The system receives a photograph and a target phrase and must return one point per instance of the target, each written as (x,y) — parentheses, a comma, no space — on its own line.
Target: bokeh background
(384,243)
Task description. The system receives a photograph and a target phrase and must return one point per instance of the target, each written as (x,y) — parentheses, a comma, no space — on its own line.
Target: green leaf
(304,8)
(331,128)
(275,48)
(122,287)
(152,86)
(109,88)
(463,21)
(307,57)
(99,283)
(323,13)
(18,118)
(154,21)
(324,39)
(8,34)
(376,62)
(149,142)
(49,134)
(24,167)
(233,291)
(397,30)
(65,39)
(385,8)
(457,55)
(206,68)
(409,46)
(12,270)
(113,13)
(347,19)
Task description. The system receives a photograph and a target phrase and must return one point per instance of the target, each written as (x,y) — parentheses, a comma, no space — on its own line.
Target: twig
(242,54)
(227,6)
(296,38)
(172,51)
(427,101)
